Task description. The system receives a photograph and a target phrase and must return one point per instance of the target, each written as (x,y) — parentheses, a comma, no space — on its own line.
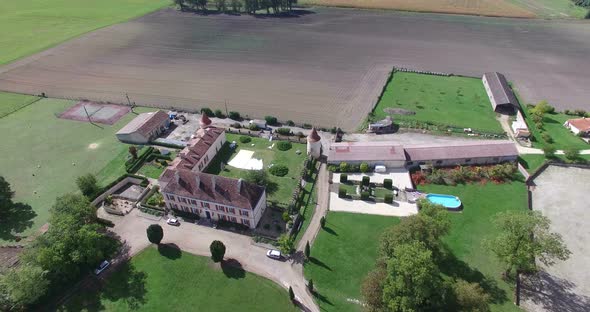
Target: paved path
(320,209)
(196,239)
(397,209)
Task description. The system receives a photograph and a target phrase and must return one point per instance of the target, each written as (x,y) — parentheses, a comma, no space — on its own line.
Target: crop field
(326,66)
(475,7)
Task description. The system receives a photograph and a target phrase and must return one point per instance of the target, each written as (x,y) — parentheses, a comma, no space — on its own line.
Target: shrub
(343,178)
(341,192)
(366,181)
(334,130)
(307,126)
(284,131)
(290,123)
(549,151)
(155,233)
(253,127)
(87,184)
(284,145)
(539,125)
(217,249)
(365,195)
(388,184)
(237,125)
(299,134)
(567,112)
(266,226)
(547,138)
(234,116)
(388,198)
(245,139)
(286,217)
(207,111)
(270,120)
(580,112)
(219,114)
(323,222)
(571,154)
(332,168)
(364,167)
(344,167)
(279,170)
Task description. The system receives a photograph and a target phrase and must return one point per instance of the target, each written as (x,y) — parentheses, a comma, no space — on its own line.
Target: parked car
(173,221)
(274,254)
(103,266)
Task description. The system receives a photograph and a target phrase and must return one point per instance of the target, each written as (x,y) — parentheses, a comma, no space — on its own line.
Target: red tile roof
(144,123)
(365,151)
(211,188)
(205,121)
(197,148)
(313,136)
(582,124)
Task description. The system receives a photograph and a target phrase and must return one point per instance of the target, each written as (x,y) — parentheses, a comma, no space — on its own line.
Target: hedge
(284,131)
(245,139)
(365,195)
(234,116)
(113,183)
(139,161)
(366,181)
(284,145)
(388,198)
(279,170)
(207,111)
(343,178)
(341,192)
(271,120)
(388,184)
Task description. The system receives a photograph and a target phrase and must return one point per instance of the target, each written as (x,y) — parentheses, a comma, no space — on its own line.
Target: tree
(364,167)
(259,177)
(291,294)
(6,195)
(413,280)
(87,184)
(470,297)
(180,4)
(310,286)
(286,243)
(155,233)
(203,5)
(133,151)
(236,6)
(221,6)
(549,151)
(372,288)
(217,249)
(307,250)
(572,154)
(323,221)
(72,205)
(24,284)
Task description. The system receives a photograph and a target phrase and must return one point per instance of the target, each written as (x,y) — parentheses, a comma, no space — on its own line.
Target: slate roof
(500,89)
(461,150)
(144,123)
(366,151)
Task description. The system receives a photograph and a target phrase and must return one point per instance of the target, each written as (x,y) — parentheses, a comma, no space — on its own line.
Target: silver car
(274,254)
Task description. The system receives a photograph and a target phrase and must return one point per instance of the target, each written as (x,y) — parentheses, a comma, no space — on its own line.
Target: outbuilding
(501,96)
(144,128)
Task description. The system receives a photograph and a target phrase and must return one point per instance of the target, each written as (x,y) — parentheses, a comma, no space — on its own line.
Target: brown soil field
(472,7)
(326,67)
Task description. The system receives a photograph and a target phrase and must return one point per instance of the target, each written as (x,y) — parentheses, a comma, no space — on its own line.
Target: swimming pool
(449,201)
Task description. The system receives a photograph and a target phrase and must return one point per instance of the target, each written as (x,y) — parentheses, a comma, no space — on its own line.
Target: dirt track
(326,68)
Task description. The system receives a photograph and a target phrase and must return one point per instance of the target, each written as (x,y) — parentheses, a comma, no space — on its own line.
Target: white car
(103,266)
(274,254)
(173,221)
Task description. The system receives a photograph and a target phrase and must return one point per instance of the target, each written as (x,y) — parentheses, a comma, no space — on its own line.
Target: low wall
(117,186)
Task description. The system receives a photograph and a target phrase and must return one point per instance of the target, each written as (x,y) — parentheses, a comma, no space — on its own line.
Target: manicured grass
(166,279)
(283,186)
(151,170)
(11,102)
(451,101)
(347,251)
(350,188)
(48,154)
(563,138)
(343,253)
(30,26)
(532,162)
(308,204)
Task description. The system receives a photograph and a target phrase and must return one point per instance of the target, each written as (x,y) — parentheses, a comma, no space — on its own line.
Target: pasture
(31,26)
(325,67)
(451,101)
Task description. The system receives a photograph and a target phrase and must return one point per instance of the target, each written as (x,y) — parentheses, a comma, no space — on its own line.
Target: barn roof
(144,123)
(476,149)
(500,89)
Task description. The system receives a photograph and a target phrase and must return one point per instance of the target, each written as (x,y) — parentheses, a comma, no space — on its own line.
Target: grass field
(347,250)
(552,8)
(167,279)
(283,186)
(30,26)
(475,7)
(10,102)
(43,151)
(562,137)
(455,101)
(309,203)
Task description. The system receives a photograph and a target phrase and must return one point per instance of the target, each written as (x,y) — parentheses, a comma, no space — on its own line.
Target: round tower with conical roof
(314,144)
(205,121)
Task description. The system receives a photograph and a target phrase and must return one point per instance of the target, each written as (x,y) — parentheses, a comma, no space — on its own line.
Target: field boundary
(19,108)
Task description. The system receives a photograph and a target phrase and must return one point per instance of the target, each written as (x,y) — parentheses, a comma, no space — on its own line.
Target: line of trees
(237,6)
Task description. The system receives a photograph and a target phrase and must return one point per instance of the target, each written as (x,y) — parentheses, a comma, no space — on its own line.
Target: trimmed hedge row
(119,179)
(134,166)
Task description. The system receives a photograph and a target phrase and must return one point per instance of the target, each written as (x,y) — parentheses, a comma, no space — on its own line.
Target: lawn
(308,204)
(343,253)
(347,250)
(562,137)
(11,102)
(532,162)
(48,154)
(283,186)
(450,101)
(166,279)
(553,8)
(30,26)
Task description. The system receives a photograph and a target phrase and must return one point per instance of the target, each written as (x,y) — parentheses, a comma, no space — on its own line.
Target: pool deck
(397,209)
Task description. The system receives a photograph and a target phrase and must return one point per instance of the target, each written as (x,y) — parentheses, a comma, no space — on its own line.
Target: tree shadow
(290,14)
(330,231)
(553,293)
(127,284)
(170,251)
(17,219)
(232,268)
(322,298)
(271,187)
(319,263)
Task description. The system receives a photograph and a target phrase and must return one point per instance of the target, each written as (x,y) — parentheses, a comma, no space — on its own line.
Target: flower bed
(466,174)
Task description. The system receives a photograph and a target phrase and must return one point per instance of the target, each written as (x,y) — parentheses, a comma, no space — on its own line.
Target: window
(175,206)
(233,219)
(245,222)
(194,202)
(206,205)
(170,197)
(182,199)
(244,213)
(231,210)
(468,160)
(438,162)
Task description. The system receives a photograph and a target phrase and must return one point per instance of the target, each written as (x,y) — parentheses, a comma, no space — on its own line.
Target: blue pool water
(449,201)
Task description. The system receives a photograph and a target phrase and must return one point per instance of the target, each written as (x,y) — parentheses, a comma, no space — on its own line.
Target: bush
(365,195)
(547,138)
(580,112)
(341,192)
(87,184)
(279,170)
(343,178)
(235,116)
(567,112)
(539,125)
(284,131)
(207,111)
(219,113)
(286,217)
(366,181)
(332,168)
(323,222)
(571,154)
(307,126)
(245,139)
(284,145)
(299,134)
(344,167)
(290,123)
(549,151)
(253,127)
(155,233)
(388,184)
(270,120)
(364,167)
(217,249)
(388,198)
(236,125)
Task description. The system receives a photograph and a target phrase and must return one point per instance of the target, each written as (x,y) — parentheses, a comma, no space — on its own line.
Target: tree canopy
(155,233)
(87,184)
(217,249)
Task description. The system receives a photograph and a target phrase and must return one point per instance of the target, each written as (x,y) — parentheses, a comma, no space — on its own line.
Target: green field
(47,154)
(30,26)
(348,249)
(552,8)
(308,203)
(450,101)
(562,137)
(166,279)
(280,189)
(10,102)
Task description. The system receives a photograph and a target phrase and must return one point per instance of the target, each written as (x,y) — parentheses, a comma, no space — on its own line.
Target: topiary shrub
(279,170)
(344,167)
(284,145)
(286,217)
(307,126)
(234,116)
(245,139)
(388,184)
(207,111)
(253,127)
(343,178)
(237,125)
(284,131)
(388,198)
(364,195)
(271,120)
(366,181)
(219,114)
(290,123)
(364,167)
(341,192)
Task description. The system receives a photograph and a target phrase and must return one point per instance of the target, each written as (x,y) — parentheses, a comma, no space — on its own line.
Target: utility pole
(226,112)
(87,115)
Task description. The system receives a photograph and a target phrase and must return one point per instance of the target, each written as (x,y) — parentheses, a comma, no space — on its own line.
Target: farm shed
(467,153)
(500,93)
(384,153)
(144,128)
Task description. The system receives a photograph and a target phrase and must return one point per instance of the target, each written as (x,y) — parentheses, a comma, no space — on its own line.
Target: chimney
(240,181)
(198,181)
(176,176)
